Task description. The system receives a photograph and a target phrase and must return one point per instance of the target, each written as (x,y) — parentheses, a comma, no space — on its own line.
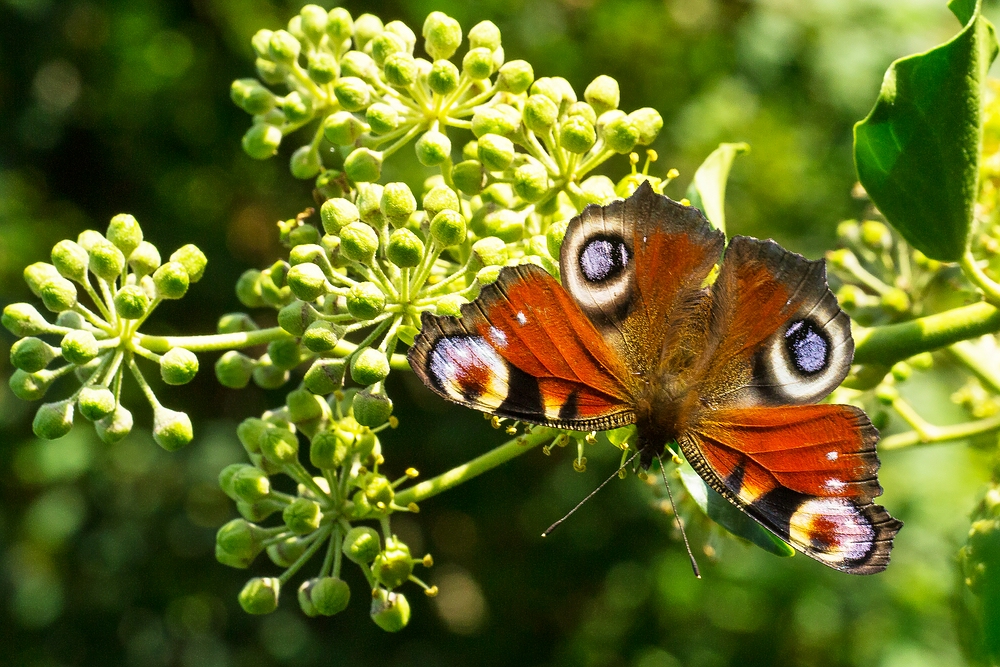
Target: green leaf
(708,187)
(730,517)
(917,152)
(407,333)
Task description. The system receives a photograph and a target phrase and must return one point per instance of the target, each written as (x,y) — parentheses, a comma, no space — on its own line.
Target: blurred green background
(106,554)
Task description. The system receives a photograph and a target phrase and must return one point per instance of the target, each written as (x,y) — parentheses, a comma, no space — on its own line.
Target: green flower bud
(58,294)
(366,27)
(86,372)
(307,281)
(469,177)
(602,94)
(328,450)
(236,323)
(531,181)
(515,77)
(114,426)
(96,402)
(577,135)
(303,234)
(470,151)
(238,543)
(250,484)
(386,45)
(322,68)
(144,259)
(485,35)
(649,123)
(448,228)
(30,386)
(393,566)
(131,302)
(88,237)
(488,274)
(305,163)
(504,224)
(442,35)
(490,251)
(886,393)
(193,260)
(71,260)
(336,213)
(378,492)
(314,21)
(405,249)
(325,376)
(540,113)
(53,420)
(178,366)
(358,64)
(171,280)
(922,362)
(478,64)
(443,77)
(369,203)
(31,354)
(400,70)
(554,237)
(583,110)
(322,336)
(371,408)
(339,24)
(233,369)
(71,320)
(261,42)
(250,431)
(304,406)
(598,190)
(433,148)
(260,595)
(621,135)
(39,273)
(296,316)
(365,444)
(279,446)
(302,516)
(495,152)
(440,198)
(901,371)
(361,545)
(358,242)
(284,353)
(342,128)
(79,347)
(352,93)
(283,47)
(397,203)
(556,89)
(106,260)
(125,233)
(499,194)
(382,118)
(23,319)
(450,305)
(171,429)
(390,611)
(501,119)
(328,595)
(895,301)
(267,375)
(270,72)
(248,289)
(363,165)
(874,234)
(286,552)
(369,366)
(261,141)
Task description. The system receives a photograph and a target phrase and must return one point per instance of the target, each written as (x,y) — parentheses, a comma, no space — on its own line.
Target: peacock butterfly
(730,369)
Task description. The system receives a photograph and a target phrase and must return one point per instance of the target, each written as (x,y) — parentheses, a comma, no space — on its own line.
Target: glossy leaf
(708,187)
(917,152)
(727,515)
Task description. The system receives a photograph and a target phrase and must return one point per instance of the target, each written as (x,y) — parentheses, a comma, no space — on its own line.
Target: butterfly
(730,369)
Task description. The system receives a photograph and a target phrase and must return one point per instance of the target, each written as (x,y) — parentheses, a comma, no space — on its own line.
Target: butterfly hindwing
(807,473)
(524,350)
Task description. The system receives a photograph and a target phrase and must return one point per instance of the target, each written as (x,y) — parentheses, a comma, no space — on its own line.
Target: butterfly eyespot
(808,347)
(604,258)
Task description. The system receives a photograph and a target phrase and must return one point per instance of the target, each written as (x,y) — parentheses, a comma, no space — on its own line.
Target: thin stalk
(978,277)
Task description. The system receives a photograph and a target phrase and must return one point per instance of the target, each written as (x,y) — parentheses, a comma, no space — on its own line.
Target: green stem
(318,540)
(941,434)
(966,353)
(978,277)
(213,342)
(475,467)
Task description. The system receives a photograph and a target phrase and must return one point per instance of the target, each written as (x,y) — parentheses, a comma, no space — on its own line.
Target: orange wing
(807,473)
(524,350)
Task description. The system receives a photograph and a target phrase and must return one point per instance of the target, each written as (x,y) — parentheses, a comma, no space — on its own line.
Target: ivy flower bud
(329,595)
(287,551)
(490,251)
(238,543)
(895,301)
(88,237)
(361,545)
(448,228)
(251,484)
(305,163)
(252,97)
(171,429)
(371,408)
(400,69)
(352,93)
(125,233)
(339,24)
(397,203)
(144,259)
(363,165)
(322,68)
(283,47)
(583,110)
(71,320)
(260,595)
(279,446)
(394,565)
(439,198)
(603,94)
(386,45)
(78,347)
(433,148)
(328,450)
(358,242)
(515,77)
(405,249)
(302,516)
(501,119)
(495,152)
(874,234)
(30,386)
(233,369)
(621,135)
(248,289)
(531,181)
(450,305)
(358,64)
(268,375)
(106,260)
(307,281)
(390,611)
(366,27)
(31,354)
(131,302)
(369,366)
(284,354)
(96,402)
(314,21)
(171,280)
(342,128)
(325,376)
(598,190)
(270,71)
(261,43)
(556,89)
(261,141)
(443,77)
(70,260)
(540,113)
(478,64)
(303,235)
(23,319)
(577,135)
(114,426)
(37,274)
(53,420)
(321,336)
(442,35)
(250,431)
(58,294)
(469,177)
(193,260)
(304,406)
(336,213)
(178,366)
(649,123)
(382,118)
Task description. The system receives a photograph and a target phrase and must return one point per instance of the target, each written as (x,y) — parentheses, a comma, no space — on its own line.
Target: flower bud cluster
(342,488)
(124,279)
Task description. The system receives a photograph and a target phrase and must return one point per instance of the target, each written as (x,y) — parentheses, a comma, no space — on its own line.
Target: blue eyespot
(808,347)
(604,258)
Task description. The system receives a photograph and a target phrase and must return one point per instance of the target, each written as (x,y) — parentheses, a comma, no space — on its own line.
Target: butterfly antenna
(589,496)
(677,518)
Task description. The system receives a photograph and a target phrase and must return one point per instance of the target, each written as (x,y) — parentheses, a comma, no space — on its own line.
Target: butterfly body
(640,333)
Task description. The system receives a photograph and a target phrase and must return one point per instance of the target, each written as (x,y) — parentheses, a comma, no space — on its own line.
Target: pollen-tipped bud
(443,77)
(53,420)
(178,366)
(365,300)
(390,611)
(363,165)
(115,426)
(433,148)
(442,35)
(369,366)
(234,369)
(261,141)
(131,302)
(171,429)
(260,595)
(96,402)
(361,545)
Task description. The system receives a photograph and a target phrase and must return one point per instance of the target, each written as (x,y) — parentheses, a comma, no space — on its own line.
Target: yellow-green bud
(307,281)
(71,260)
(339,24)
(540,113)
(363,165)
(71,320)
(322,336)
(901,371)
(79,347)
(875,235)
(302,516)
(37,274)
(303,234)
(336,213)
(268,375)
(342,128)
(369,366)
(261,141)
(248,289)
(328,595)
(895,301)
(250,431)
(603,94)
(58,294)
(96,402)
(442,35)
(361,545)
(440,198)
(583,110)
(114,426)
(352,93)
(171,280)
(88,237)
(250,484)
(144,259)
(443,77)
(31,354)
(531,181)
(171,429)
(369,203)
(305,163)
(448,228)
(23,319)
(358,64)
(233,369)
(405,249)
(397,203)
(328,450)
(131,302)
(322,68)
(501,119)
(394,565)
(495,152)
(31,386)
(382,118)
(178,366)
(366,27)
(238,543)
(53,420)
(358,242)
(371,408)
(193,260)
(401,70)
(106,260)
(270,71)
(287,551)
(433,148)
(125,233)
(390,611)
(236,323)
(577,135)
(305,406)
(923,361)
(283,47)
(314,21)
(621,135)
(490,251)
(325,376)
(279,446)
(469,177)
(886,393)
(649,123)
(598,190)
(556,89)
(284,354)
(450,305)
(515,77)
(261,43)
(260,595)
(386,45)
(478,64)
